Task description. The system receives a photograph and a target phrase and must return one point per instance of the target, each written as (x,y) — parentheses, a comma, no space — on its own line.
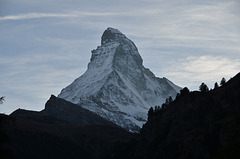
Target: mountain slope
(116,85)
(58,110)
(61,130)
(196,125)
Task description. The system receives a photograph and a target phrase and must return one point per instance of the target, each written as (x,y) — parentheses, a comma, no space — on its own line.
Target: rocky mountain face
(116,85)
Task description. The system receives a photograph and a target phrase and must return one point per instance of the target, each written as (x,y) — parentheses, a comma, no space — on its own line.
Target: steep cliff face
(116,85)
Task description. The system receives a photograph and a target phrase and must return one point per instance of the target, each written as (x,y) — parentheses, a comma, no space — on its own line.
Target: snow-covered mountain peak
(116,52)
(116,85)
(111,35)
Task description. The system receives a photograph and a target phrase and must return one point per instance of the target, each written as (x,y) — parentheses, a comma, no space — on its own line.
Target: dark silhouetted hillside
(61,130)
(198,125)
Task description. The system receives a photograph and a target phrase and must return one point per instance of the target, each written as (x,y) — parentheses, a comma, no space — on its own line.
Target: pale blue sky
(45,45)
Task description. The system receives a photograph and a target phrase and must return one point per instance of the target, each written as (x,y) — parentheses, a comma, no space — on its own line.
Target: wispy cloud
(32,16)
(74,14)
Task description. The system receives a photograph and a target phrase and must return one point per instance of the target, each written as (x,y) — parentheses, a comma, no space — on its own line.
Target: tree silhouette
(167,101)
(177,96)
(150,112)
(203,88)
(216,85)
(184,91)
(170,100)
(157,108)
(223,81)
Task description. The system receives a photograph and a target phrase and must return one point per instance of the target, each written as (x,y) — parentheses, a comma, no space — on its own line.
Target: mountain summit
(116,85)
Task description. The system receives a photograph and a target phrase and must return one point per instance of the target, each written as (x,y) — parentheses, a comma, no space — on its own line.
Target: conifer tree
(223,81)
(177,96)
(167,101)
(184,91)
(216,85)
(203,88)
(150,112)
(170,100)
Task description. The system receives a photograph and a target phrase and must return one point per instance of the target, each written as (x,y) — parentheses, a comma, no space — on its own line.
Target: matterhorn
(116,85)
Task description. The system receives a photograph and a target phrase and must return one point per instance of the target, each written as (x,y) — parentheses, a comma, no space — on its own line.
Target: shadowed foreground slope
(61,130)
(195,126)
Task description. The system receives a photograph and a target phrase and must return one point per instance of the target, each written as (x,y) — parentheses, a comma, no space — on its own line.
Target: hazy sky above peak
(45,45)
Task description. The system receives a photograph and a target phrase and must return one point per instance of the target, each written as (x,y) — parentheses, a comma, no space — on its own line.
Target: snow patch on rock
(116,85)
